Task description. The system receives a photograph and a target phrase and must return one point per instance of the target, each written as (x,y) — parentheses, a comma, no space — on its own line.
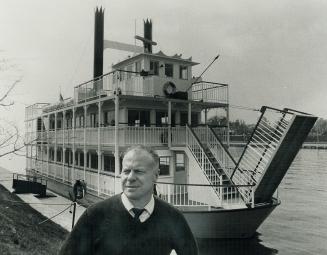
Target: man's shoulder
(163,206)
(112,203)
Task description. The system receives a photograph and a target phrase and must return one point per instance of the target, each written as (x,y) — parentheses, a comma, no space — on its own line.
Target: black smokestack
(98,42)
(148,35)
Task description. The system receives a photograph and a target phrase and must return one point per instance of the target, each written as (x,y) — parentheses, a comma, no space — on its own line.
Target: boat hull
(233,223)
(227,223)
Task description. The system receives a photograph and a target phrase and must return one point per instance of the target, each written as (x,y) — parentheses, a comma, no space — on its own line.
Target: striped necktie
(137,212)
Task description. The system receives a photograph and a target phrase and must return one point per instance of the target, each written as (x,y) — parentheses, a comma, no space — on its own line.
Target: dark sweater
(107,228)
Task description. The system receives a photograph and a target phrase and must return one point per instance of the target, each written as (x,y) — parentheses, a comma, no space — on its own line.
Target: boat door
(180,175)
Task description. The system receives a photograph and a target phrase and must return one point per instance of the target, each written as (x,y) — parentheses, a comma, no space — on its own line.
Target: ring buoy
(169,88)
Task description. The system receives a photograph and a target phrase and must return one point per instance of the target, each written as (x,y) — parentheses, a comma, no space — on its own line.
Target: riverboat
(153,99)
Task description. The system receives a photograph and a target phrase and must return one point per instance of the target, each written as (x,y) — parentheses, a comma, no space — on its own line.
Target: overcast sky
(272,52)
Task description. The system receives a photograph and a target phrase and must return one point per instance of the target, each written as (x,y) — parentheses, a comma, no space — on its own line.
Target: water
(299,224)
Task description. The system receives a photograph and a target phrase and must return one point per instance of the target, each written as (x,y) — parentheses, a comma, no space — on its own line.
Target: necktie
(137,212)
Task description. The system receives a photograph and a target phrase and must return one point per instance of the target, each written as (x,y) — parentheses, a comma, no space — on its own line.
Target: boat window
(164,165)
(180,162)
(81,159)
(138,66)
(59,124)
(154,67)
(128,74)
(68,157)
(80,121)
(162,119)
(138,118)
(59,155)
(109,163)
(183,72)
(94,160)
(169,70)
(184,119)
(93,120)
(109,118)
(51,154)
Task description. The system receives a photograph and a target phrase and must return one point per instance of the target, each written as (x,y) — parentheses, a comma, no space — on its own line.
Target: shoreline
(49,206)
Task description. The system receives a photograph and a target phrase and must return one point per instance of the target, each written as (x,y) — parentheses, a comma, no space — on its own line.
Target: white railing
(127,135)
(205,164)
(52,170)
(68,136)
(196,195)
(79,136)
(51,136)
(210,92)
(107,185)
(68,176)
(107,84)
(107,135)
(222,134)
(92,136)
(145,135)
(262,146)
(207,137)
(178,136)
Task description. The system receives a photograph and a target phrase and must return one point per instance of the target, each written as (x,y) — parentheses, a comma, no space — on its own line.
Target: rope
(21,202)
(55,215)
(244,108)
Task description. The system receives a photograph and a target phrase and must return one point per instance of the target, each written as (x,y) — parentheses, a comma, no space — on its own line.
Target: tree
(10,139)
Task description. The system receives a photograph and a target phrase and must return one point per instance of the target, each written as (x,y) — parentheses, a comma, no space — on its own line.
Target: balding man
(134,222)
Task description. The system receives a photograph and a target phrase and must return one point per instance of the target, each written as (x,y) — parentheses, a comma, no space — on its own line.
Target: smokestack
(98,43)
(148,35)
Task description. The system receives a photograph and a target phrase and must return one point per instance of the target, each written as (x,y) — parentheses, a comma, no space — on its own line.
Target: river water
(299,224)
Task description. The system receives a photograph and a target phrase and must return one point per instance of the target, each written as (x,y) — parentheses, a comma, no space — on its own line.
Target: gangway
(274,143)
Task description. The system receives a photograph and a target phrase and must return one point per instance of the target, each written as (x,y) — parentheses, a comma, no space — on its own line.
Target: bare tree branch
(10,89)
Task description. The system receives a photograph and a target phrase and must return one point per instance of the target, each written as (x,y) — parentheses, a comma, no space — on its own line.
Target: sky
(271,52)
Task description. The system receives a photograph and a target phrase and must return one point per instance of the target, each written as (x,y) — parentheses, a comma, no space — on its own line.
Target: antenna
(203,72)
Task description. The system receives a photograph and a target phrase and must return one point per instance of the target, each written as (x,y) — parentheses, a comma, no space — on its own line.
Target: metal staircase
(206,149)
(274,143)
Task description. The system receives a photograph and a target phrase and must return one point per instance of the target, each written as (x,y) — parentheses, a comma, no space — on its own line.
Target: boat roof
(158,55)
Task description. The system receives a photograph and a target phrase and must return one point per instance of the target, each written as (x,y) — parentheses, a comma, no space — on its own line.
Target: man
(134,222)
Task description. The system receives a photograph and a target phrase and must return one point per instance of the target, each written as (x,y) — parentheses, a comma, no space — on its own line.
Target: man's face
(138,176)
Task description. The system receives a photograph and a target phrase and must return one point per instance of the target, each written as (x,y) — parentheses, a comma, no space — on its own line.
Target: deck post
(84,143)
(85,162)
(55,147)
(73,149)
(221,190)
(169,124)
(99,168)
(99,152)
(63,145)
(117,166)
(189,119)
(42,149)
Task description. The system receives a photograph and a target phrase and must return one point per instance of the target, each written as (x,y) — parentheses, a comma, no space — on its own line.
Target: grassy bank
(20,232)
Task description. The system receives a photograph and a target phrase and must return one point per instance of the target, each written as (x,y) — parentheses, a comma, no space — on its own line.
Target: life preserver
(169,88)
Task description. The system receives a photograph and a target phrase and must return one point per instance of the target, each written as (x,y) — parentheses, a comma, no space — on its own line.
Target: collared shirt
(149,207)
